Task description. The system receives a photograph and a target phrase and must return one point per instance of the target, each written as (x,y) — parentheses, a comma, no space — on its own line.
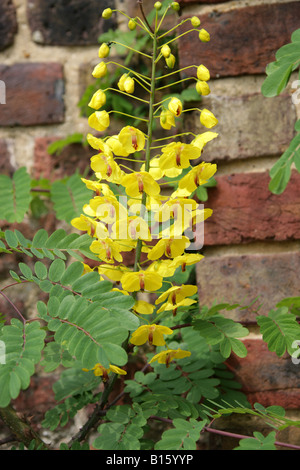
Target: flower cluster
(141,217)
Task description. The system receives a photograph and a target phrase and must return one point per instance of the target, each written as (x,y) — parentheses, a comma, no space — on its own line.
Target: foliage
(92,324)
(278,76)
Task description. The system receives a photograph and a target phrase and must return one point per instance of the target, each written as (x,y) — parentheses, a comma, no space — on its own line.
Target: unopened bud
(195,21)
(107,13)
(157,6)
(202,88)
(170,61)
(165,50)
(103,51)
(131,24)
(204,36)
(175,6)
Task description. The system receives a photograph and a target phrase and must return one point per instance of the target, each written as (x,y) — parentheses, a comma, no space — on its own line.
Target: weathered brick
(34,94)
(265,377)
(249,125)
(8,23)
(246,211)
(73,157)
(264,279)
(7,163)
(243,40)
(68,23)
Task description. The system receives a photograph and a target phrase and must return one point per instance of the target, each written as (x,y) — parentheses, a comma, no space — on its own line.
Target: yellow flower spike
(116,146)
(103,51)
(107,250)
(141,280)
(208,119)
(165,357)
(203,73)
(166,51)
(177,293)
(154,334)
(132,227)
(199,175)
(178,155)
(99,120)
(129,85)
(175,106)
(138,182)
(98,100)
(202,88)
(143,307)
(202,139)
(204,36)
(132,139)
(167,119)
(100,70)
(170,247)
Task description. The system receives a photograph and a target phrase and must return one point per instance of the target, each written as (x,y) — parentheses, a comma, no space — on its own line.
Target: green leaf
(276,82)
(69,197)
(258,442)
(279,329)
(15,196)
(72,273)
(56,270)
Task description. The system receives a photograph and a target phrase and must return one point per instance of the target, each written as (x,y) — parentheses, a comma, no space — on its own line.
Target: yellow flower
(195,21)
(132,139)
(174,306)
(202,139)
(185,260)
(100,70)
(203,73)
(171,248)
(154,334)
(98,100)
(138,182)
(167,119)
(175,106)
(162,267)
(99,120)
(199,175)
(202,88)
(116,146)
(100,371)
(143,307)
(85,224)
(107,250)
(165,357)
(132,227)
(114,273)
(103,164)
(107,13)
(103,51)
(204,36)
(178,155)
(98,144)
(177,293)
(208,119)
(99,188)
(106,208)
(141,280)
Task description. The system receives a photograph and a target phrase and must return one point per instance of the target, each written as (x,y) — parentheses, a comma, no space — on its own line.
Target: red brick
(243,278)
(265,377)
(71,23)
(34,94)
(244,210)
(8,23)
(249,125)
(73,157)
(243,40)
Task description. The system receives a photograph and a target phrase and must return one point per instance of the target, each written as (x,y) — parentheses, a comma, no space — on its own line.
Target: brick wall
(252,240)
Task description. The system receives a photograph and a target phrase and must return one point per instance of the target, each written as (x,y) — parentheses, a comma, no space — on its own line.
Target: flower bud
(121,82)
(207,118)
(195,21)
(157,6)
(202,88)
(129,85)
(103,50)
(98,100)
(204,36)
(131,24)
(175,6)
(170,61)
(165,50)
(203,73)
(99,120)
(175,106)
(100,70)
(107,13)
